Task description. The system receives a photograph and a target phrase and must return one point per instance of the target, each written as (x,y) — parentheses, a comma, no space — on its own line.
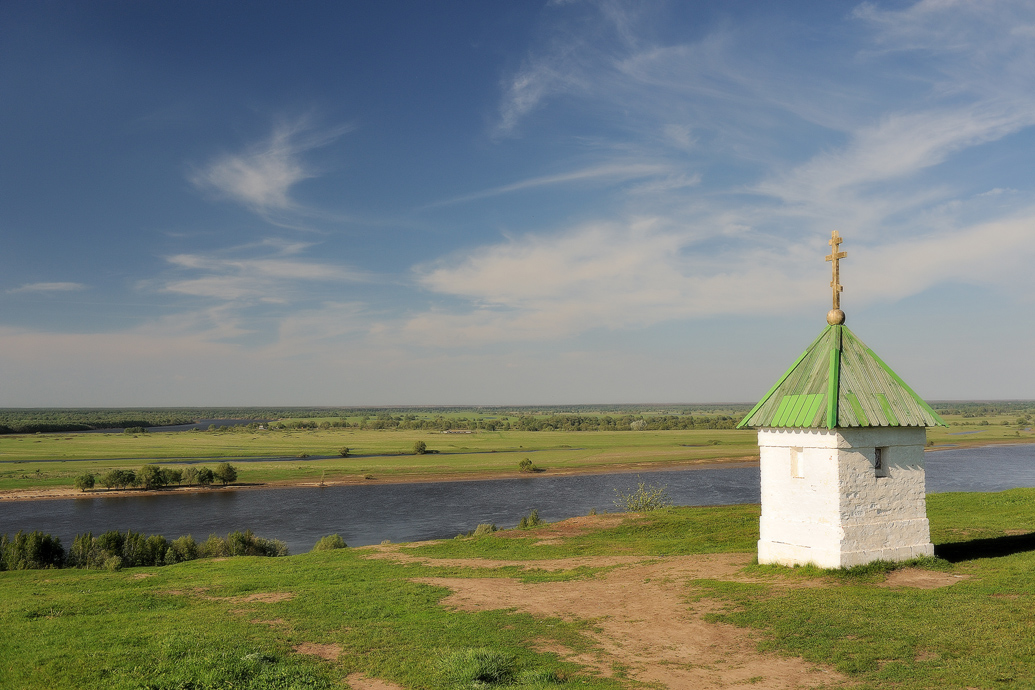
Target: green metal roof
(839,382)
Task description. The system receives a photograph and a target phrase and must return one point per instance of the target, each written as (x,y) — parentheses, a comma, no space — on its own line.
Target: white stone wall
(830,508)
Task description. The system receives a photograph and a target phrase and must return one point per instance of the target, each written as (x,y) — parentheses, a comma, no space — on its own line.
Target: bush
(182,549)
(479,667)
(329,543)
(527,466)
(530,520)
(344,452)
(134,430)
(84,482)
(646,498)
(226,473)
(420,448)
(241,544)
(113,564)
(484,529)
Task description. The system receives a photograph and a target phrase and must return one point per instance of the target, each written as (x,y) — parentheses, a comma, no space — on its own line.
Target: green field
(48,460)
(233,623)
(42,460)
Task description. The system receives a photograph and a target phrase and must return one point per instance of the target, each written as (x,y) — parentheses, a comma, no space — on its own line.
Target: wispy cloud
(273,278)
(611,172)
(48,287)
(261,177)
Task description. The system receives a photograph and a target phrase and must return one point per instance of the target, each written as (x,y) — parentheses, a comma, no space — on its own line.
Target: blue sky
(216,203)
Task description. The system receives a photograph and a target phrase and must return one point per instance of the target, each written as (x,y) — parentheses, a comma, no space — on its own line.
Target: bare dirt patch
(572,527)
(141,576)
(644,621)
(358,681)
(330,652)
(920,579)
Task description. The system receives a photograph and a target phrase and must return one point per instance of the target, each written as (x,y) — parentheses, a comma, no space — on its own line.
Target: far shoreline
(71,493)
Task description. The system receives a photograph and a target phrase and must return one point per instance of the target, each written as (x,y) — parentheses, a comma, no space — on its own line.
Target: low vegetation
(645,498)
(249,622)
(114,550)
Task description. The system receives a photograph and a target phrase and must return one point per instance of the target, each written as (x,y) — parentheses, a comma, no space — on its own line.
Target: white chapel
(842,455)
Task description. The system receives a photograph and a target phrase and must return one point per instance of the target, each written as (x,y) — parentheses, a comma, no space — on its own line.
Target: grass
(50,460)
(192,625)
(54,460)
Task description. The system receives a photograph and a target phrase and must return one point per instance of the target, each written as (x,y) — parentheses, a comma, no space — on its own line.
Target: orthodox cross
(835,243)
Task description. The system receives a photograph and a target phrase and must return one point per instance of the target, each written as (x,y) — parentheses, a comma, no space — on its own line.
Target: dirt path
(644,621)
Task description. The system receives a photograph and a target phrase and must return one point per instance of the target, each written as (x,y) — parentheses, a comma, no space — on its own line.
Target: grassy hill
(315,620)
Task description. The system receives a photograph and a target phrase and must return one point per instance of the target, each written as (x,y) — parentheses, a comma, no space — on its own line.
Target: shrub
(420,448)
(479,667)
(113,564)
(134,430)
(84,482)
(530,520)
(645,498)
(329,543)
(182,549)
(527,466)
(344,452)
(484,529)
(226,473)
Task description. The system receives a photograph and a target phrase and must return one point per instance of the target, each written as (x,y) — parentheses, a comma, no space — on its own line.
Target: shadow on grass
(985,548)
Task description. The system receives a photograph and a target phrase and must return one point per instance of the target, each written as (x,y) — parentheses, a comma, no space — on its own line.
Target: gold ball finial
(835,317)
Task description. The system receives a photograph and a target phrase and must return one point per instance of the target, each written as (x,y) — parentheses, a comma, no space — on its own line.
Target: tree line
(115,550)
(153,477)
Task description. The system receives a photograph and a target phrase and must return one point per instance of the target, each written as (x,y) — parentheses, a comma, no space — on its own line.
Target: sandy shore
(55,493)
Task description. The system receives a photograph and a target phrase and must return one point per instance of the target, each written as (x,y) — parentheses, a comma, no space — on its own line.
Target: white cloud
(262,176)
(48,287)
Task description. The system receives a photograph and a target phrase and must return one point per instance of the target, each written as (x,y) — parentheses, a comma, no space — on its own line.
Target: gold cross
(835,243)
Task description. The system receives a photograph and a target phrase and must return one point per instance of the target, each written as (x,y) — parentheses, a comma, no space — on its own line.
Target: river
(368,514)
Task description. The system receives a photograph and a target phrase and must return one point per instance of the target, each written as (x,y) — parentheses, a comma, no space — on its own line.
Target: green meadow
(236,623)
(49,460)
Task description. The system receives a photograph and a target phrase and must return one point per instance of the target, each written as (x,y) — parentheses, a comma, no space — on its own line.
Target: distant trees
(118,479)
(226,473)
(153,477)
(84,482)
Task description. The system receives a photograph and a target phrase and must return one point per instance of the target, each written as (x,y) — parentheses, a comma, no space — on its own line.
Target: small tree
(190,475)
(84,482)
(172,476)
(152,477)
(344,452)
(205,476)
(226,473)
(420,448)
